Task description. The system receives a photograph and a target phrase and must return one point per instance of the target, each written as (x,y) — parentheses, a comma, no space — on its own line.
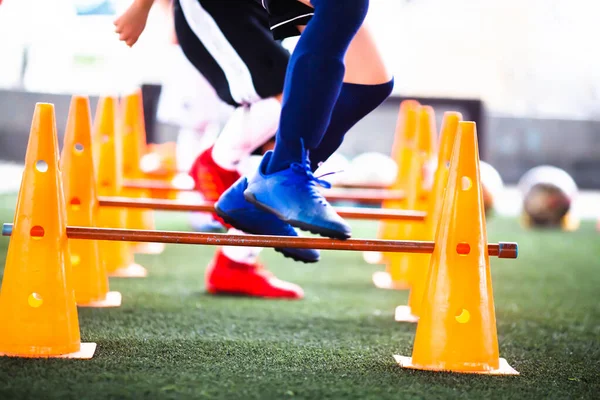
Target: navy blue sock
(314,78)
(354,103)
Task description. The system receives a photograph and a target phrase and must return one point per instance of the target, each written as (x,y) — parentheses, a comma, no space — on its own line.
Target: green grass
(171,340)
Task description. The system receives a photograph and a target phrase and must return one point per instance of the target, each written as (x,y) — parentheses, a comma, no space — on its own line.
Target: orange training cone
(420,264)
(457,325)
(131,134)
(396,155)
(117,255)
(402,134)
(90,280)
(160,164)
(37,300)
(404,150)
(420,180)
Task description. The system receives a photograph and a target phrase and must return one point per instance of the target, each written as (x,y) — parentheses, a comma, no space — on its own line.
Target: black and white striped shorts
(286,16)
(230,43)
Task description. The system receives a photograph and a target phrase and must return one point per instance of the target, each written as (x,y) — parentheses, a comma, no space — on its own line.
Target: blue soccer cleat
(293,196)
(235,210)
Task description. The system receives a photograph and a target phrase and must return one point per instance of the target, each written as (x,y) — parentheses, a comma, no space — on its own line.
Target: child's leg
(284,184)
(354,103)
(215,39)
(314,78)
(248,128)
(366,86)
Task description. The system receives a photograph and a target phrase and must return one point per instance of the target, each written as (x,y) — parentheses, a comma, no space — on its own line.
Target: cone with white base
(457,326)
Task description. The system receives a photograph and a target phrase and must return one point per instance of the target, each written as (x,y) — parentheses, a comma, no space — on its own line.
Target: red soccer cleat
(210,179)
(225,276)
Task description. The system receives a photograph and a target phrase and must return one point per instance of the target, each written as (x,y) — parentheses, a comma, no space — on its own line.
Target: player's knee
(261,120)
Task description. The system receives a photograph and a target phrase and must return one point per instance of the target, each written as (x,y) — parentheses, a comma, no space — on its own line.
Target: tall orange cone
(420,264)
(38,312)
(118,256)
(403,134)
(457,326)
(404,152)
(90,280)
(133,132)
(160,164)
(420,179)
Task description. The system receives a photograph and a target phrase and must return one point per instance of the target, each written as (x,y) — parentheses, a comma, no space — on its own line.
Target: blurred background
(528,72)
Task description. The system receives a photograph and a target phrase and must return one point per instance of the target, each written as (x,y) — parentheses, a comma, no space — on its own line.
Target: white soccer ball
(372,169)
(491,184)
(338,165)
(548,193)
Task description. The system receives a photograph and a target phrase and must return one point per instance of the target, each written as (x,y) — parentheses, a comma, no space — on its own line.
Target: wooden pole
(344,212)
(501,250)
(367,196)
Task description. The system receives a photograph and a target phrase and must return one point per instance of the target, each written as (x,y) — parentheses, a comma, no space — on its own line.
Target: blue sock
(354,103)
(314,78)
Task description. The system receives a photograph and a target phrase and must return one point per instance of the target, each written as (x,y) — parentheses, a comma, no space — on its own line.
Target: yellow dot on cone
(35,300)
(464,317)
(75,259)
(466,183)
(75,204)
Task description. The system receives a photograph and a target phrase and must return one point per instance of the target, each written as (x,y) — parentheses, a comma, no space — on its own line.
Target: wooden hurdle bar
(500,250)
(344,212)
(370,195)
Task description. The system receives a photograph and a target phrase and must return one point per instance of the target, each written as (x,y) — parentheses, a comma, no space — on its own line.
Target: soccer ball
(548,193)
(491,185)
(372,169)
(338,165)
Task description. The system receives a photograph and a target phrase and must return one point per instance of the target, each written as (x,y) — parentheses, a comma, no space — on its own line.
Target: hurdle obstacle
(36,289)
(112,161)
(37,299)
(133,134)
(500,250)
(344,212)
(108,162)
(362,195)
(89,269)
(418,148)
(456,331)
(418,265)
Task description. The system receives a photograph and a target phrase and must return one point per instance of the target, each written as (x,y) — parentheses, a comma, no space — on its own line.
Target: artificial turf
(172,340)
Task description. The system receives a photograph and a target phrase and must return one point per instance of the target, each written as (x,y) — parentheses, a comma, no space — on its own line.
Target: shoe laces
(311,180)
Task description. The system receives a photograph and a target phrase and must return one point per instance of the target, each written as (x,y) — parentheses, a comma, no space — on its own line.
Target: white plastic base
(404,314)
(149,248)
(113,299)
(383,280)
(132,271)
(504,368)
(86,352)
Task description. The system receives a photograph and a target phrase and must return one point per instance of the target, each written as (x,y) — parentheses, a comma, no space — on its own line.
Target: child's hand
(131,24)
